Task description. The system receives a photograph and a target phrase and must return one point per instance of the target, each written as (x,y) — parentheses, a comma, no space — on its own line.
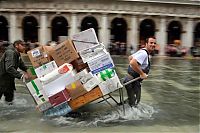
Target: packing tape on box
(56,73)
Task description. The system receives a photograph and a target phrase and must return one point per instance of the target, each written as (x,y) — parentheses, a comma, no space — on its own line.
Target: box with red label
(59,98)
(39,56)
(76,89)
(64,53)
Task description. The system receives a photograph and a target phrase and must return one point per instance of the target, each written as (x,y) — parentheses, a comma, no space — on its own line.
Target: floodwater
(170,103)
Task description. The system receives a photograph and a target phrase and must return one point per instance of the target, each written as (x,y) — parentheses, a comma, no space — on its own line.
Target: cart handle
(133,80)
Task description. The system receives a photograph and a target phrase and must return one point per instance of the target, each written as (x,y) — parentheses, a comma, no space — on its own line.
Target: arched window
(118,36)
(59,28)
(174,31)
(3,29)
(147,29)
(89,22)
(30,29)
(197,35)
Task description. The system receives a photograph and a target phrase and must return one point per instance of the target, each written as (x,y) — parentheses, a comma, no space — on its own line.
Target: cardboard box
(40,98)
(45,69)
(100,63)
(42,107)
(93,52)
(58,110)
(39,56)
(85,39)
(83,76)
(34,86)
(59,98)
(110,85)
(76,89)
(77,103)
(93,95)
(90,84)
(64,53)
(79,65)
(55,74)
(59,84)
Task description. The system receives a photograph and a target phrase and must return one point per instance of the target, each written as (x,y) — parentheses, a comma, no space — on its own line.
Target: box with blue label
(100,63)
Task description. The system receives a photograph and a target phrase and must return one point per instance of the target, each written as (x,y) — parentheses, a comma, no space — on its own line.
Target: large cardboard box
(64,53)
(85,39)
(34,86)
(100,63)
(41,97)
(93,95)
(76,89)
(83,76)
(77,103)
(93,52)
(55,74)
(91,83)
(36,89)
(39,56)
(59,98)
(110,85)
(59,84)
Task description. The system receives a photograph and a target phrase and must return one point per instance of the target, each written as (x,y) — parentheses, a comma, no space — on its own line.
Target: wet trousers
(133,91)
(9,96)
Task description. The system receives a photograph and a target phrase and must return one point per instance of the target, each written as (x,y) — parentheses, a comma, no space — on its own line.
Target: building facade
(124,22)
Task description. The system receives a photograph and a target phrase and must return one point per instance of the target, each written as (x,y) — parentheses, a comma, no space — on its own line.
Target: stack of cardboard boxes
(71,74)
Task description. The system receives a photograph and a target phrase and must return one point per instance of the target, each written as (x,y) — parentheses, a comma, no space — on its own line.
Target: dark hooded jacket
(9,63)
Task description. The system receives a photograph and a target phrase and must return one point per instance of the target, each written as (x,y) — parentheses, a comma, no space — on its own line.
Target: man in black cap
(9,63)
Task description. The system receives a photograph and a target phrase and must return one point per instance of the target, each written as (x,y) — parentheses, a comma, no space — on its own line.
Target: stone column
(133,34)
(104,31)
(43,29)
(73,29)
(12,31)
(187,39)
(161,36)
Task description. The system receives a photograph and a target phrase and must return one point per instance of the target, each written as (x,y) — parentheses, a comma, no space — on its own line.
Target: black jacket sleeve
(11,64)
(22,66)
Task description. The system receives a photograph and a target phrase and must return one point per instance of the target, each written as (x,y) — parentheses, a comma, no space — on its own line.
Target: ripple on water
(116,115)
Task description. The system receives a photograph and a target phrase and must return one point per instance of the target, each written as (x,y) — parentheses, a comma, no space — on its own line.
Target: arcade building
(121,25)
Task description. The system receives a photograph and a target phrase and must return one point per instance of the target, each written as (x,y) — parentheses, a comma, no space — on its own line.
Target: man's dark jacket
(9,63)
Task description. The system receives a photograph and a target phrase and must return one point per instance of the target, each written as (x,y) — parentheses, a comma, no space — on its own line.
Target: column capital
(104,13)
(43,13)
